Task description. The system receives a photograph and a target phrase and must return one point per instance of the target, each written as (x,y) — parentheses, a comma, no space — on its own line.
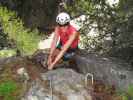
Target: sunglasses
(63,25)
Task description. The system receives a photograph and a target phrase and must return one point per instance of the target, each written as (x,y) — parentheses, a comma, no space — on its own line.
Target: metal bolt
(86,78)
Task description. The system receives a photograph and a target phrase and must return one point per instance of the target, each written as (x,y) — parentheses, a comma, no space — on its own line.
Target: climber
(65,41)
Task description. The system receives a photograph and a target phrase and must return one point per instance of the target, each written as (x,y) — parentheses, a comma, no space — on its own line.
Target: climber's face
(64,27)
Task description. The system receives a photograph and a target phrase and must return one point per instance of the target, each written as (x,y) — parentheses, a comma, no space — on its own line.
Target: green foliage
(127,94)
(79,6)
(25,39)
(6,90)
(11,87)
(114,22)
(7,87)
(100,17)
(124,97)
(3,39)
(7,53)
(130,90)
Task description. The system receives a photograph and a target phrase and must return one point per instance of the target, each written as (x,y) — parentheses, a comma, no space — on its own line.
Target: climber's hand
(51,66)
(49,62)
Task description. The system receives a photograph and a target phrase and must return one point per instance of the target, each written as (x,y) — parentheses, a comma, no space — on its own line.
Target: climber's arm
(64,49)
(53,46)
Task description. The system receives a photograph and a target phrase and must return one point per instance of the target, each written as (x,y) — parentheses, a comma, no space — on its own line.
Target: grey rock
(111,70)
(65,84)
(37,92)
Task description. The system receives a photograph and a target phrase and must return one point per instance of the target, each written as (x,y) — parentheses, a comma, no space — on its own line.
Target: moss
(11,88)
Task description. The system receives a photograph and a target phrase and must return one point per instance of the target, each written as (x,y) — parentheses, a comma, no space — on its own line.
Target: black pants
(69,53)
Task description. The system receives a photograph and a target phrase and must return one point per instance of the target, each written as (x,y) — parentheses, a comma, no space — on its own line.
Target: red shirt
(64,36)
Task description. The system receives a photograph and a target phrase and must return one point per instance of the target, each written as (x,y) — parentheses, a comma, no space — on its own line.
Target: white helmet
(63,18)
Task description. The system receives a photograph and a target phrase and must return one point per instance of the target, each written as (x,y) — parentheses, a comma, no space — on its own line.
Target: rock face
(63,84)
(110,70)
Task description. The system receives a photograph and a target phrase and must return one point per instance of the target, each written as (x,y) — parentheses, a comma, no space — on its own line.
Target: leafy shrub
(124,97)
(6,90)
(130,90)
(128,94)
(7,53)
(26,40)
(3,39)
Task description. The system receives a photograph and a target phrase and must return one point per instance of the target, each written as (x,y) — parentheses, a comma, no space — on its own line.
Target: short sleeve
(57,30)
(72,30)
